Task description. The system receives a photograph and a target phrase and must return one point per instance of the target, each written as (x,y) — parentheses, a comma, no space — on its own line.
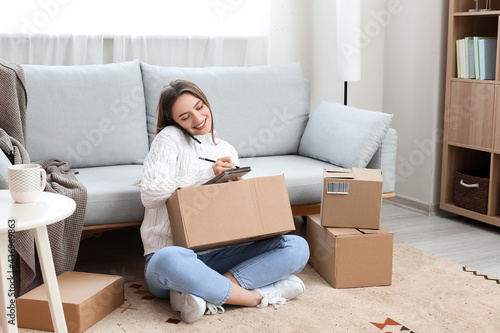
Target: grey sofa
(101,119)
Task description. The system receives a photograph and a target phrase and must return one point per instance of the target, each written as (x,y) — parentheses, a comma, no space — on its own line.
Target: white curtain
(190,33)
(184,51)
(45,49)
(179,51)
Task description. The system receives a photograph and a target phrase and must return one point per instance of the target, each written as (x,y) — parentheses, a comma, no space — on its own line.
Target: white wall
(305,31)
(414,92)
(402,73)
(290,33)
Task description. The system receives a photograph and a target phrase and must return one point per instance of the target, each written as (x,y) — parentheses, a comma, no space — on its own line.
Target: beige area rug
(428,294)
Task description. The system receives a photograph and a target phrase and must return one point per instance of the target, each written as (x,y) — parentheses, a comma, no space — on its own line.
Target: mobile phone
(184,130)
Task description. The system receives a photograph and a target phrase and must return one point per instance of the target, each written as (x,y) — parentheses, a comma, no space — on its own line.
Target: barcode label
(337,188)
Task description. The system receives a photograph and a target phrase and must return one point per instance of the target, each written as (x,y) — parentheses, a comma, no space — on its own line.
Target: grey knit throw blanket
(65,235)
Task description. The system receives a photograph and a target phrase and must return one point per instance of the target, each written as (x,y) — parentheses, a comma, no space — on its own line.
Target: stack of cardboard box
(348,246)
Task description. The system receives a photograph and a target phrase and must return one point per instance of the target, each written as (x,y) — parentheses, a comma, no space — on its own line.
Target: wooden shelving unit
(472,112)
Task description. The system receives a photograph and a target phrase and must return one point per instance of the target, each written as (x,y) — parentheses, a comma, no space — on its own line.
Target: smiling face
(192,114)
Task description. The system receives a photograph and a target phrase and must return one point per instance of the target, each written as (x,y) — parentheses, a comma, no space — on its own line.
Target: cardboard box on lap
(352,198)
(210,216)
(349,257)
(86,298)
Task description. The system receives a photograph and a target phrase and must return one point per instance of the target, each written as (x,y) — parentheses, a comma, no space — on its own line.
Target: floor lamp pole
(348,25)
(345,92)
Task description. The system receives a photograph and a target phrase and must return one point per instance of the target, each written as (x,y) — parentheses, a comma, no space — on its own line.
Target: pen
(209,160)
(206,159)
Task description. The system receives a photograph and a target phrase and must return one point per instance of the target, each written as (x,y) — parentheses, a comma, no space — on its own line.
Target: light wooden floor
(467,242)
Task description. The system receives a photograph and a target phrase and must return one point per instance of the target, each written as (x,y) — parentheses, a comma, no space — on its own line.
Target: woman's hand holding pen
(223,164)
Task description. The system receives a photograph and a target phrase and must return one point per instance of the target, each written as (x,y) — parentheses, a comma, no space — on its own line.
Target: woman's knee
(299,248)
(170,258)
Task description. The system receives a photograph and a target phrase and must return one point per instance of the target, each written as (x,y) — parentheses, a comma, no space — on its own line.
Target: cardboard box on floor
(347,257)
(210,216)
(352,198)
(86,298)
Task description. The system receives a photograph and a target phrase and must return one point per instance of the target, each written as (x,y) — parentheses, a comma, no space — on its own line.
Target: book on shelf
(462,60)
(476,57)
(487,58)
(471,60)
(465,55)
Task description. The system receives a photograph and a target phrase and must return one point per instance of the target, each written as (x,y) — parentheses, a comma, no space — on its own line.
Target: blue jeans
(253,265)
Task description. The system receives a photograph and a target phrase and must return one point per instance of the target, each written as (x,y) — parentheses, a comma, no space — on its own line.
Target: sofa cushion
(111,198)
(4,176)
(260,110)
(91,115)
(344,135)
(303,175)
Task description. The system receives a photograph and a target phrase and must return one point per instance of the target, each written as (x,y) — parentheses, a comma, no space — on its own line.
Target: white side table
(49,208)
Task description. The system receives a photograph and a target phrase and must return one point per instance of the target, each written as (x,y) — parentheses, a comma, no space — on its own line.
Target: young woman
(250,274)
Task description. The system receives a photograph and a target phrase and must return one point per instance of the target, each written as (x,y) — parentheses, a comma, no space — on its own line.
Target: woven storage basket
(471,189)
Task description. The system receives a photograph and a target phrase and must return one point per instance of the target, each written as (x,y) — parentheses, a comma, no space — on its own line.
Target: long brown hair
(169,94)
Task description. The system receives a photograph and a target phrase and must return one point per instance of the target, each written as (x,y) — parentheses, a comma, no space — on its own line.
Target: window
(137,17)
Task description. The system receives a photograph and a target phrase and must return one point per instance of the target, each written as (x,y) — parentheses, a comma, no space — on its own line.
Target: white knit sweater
(173,162)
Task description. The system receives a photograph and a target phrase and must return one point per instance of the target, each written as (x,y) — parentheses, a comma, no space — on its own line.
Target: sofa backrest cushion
(260,110)
(92,115)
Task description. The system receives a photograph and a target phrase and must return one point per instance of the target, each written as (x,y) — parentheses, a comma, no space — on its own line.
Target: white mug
(26,181)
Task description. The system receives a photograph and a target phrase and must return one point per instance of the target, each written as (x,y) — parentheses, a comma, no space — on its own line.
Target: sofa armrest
(385,159)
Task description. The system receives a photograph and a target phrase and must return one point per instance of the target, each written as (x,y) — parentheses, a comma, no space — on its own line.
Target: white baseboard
(415,205)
